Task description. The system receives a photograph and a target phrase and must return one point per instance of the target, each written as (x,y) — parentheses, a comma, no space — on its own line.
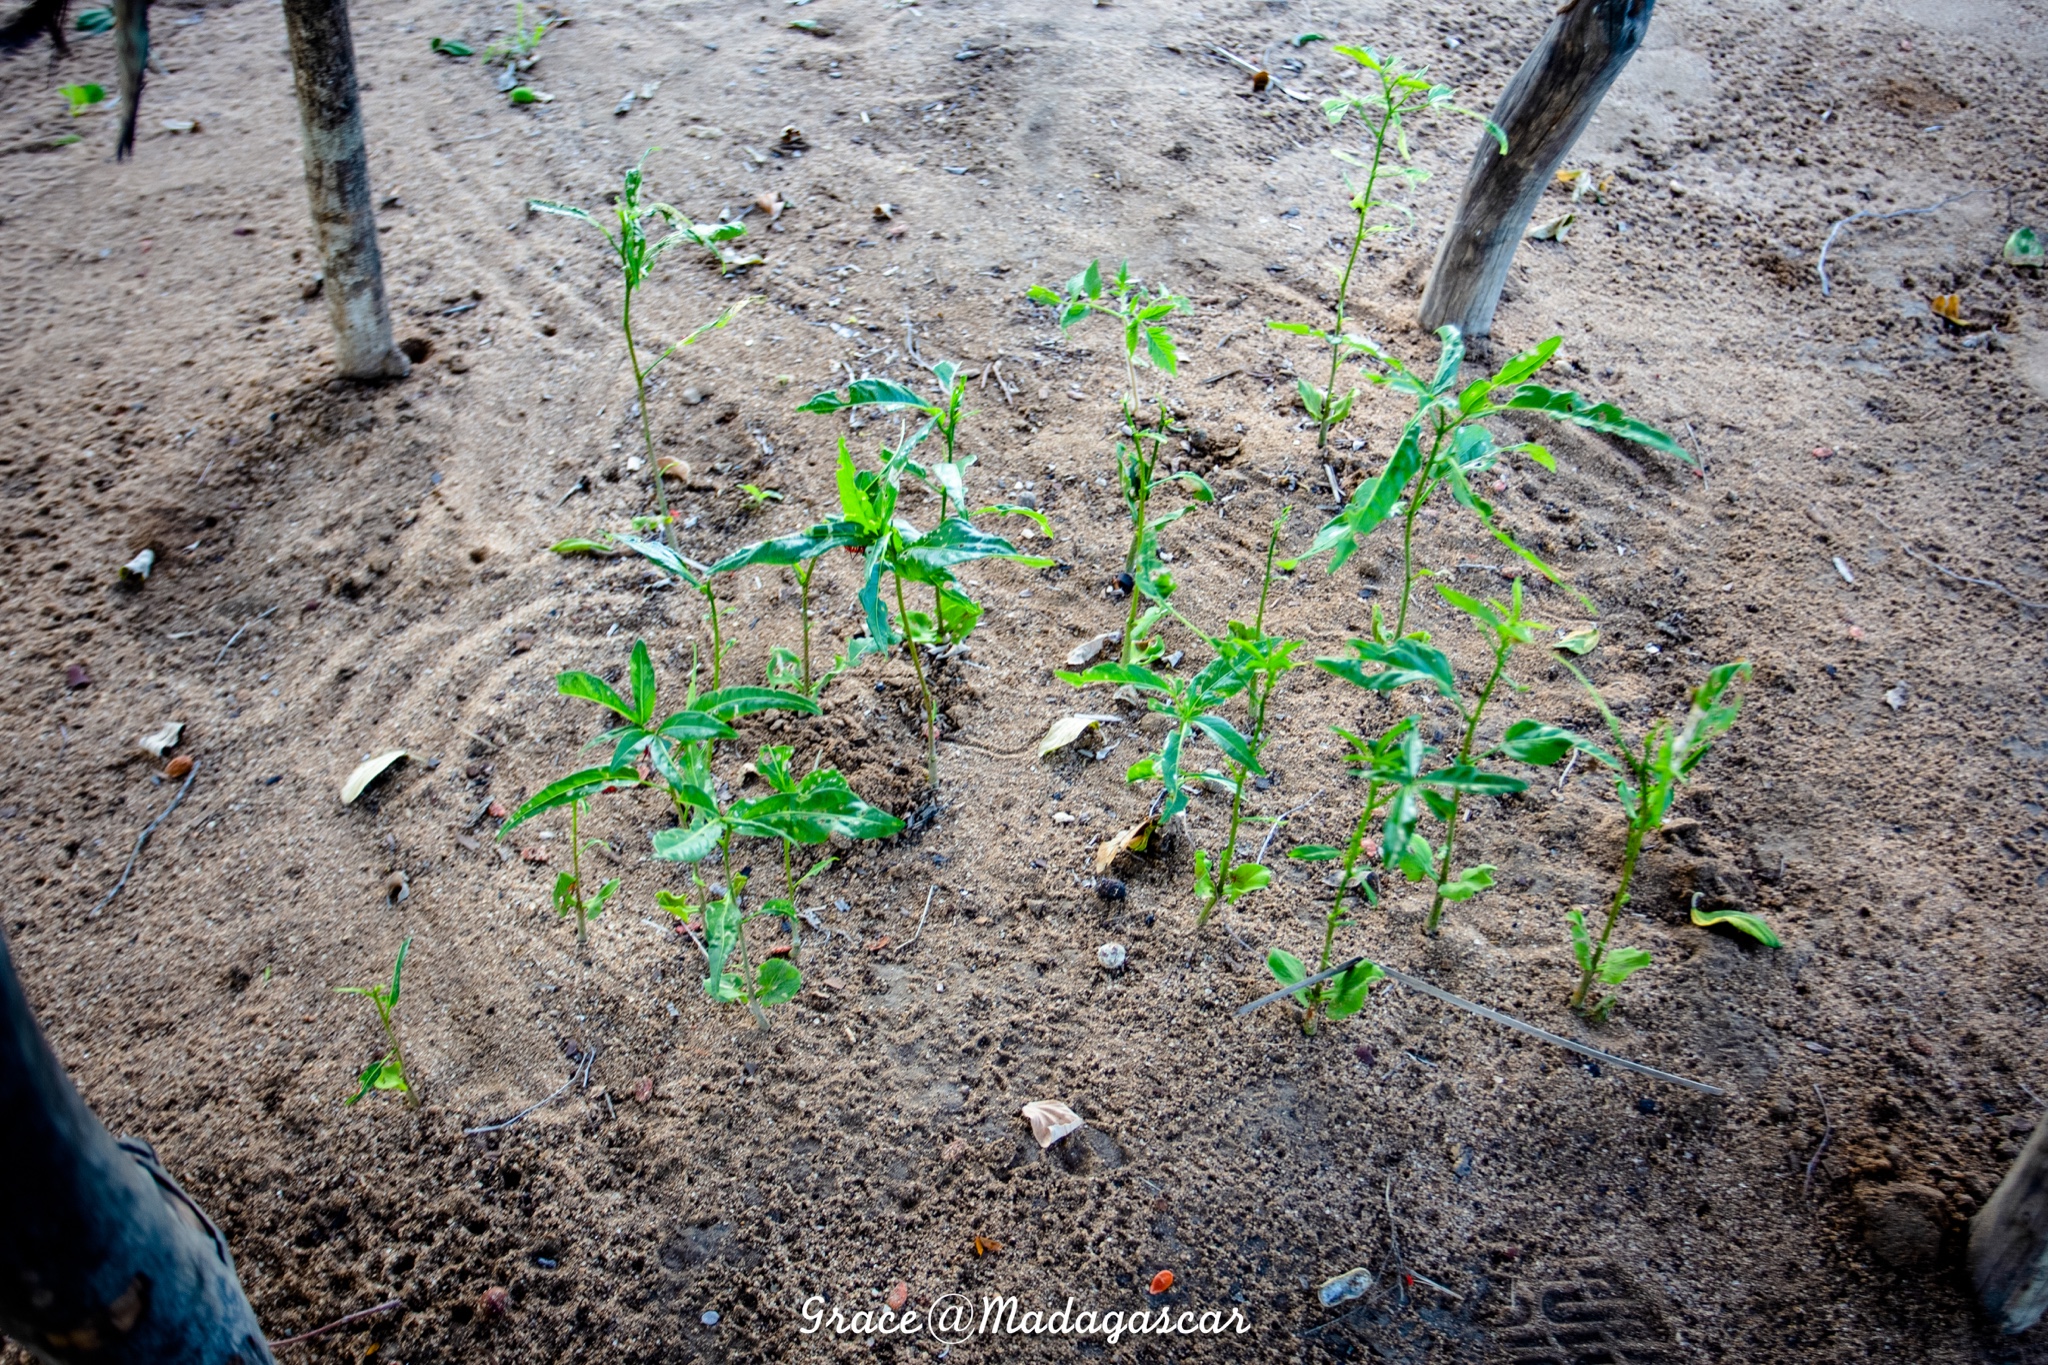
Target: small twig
(1336,489)
(910,342)
(920,919)
(1827,1135)
(1566,775)
(236,636)
(357,1316)
(1244,65)
(1822,264)
(1219,378)
(1394,1240)
(1486,1012)
(1992,584)
(495,1127)
(1699,452)
(1281,820)
(1427,1282)
(143,838)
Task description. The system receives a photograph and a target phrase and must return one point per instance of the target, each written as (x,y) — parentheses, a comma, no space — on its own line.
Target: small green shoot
(83,98)
(1647,779)
(1191,704)
(637,254)
(1403,94)
(449,47)
(520,45)
(712,237)
(387,1072)
(1141,313)
(760,496)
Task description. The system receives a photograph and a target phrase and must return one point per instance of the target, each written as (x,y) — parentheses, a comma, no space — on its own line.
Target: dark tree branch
(1543,111)
(103,1258)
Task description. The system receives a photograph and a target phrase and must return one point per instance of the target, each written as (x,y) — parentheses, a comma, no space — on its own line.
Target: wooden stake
(338,184)
(2009,1242)
(1542,112)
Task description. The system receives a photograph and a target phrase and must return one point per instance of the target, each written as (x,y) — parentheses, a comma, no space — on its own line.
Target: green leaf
(1750,924)
(1304,39)
(1371,503)
(579,545)
(1622,963)
(777,982)
(82,97)
(1300,329)
(1285,967)
(1315,853)
(1533,742)
(1579,642)
(1467,883)
(1401,663)
(1234,745)
(676,905)
(1134,675)
(689,845)
(662,557)
(1159,350)
(590,687)
(730,703)
(1464,777)
(1565,406)
(641,671)
(1448,359)
(447,47)
(97,20)
(687,726)
(1582,942)
(568,790)
(956,541)
(813,816)
(2022,248)
(1246,878)
(1205,881)
(1348,990)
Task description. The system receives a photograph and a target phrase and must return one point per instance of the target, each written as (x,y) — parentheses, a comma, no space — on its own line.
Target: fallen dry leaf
(1050,1121)
(986,1246)
(76,677)
(160,741)
(368,771)
(1135,839)
(1948,307)
(880,944)
(1088,651)
(770,203)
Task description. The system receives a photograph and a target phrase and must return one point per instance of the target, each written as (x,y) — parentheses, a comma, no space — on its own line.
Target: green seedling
(712,237)
(637,254)
(449,47)
(1413,792)
(1445,445)
(1191,704)
(948,478)
(701,580)
(1647,779)
(526,94)
(83,97)
(1386,765)
(95,20)
(570,900)
(387,1072)
(1402,94)
(1263,659)
(520,45)
(760,496)
(795,812)
(1141,313)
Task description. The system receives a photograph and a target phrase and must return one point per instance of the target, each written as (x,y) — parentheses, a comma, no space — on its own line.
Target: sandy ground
(343,570)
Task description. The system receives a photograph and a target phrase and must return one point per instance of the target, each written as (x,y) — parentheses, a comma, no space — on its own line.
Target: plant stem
(1436,907)
(931,733)
(412,1096)
(1636,832)
(1336,915)
(576,869)
(668,530)
(710,592)
(796,941)
(1364,205)
(803,580)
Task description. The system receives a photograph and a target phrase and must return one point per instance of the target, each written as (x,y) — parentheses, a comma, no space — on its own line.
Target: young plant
(387,1072)
(712,237)
(1413,792)
(1141,313)
(1192,705)
(520,46)
(1445,445)
(82,98)
(805,811)
(948,478)
(1263,659)
(1647,779)
(636,254)
(1403,94)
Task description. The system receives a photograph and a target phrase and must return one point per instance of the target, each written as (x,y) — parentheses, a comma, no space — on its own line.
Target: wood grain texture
(1543,110)
(2009,1242)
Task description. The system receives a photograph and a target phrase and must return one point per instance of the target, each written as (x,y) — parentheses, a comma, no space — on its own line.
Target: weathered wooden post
(338,184)
(2009,1241)
(102,1257)
(1543,111)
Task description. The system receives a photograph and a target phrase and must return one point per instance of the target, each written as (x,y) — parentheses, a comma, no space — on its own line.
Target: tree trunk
(338,183)
(2009,1241)
(103,1259)
(1543,111)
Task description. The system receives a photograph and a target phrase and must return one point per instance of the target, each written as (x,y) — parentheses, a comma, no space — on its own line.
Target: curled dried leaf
(1136,839)
(1050,1121)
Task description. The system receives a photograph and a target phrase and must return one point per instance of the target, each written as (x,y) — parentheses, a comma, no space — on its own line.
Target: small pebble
(178,767)
(1109,889)
(1111,956)
(495,1303)
(899,1296)
(710,1317)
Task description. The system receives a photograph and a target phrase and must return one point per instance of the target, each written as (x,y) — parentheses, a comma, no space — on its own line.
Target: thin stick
(1566,775)
(236,636)
(1336,489)
(1827,1136)
(357,1316)
(1432,1284)
(1244,65)
(920,919)
(1965,578)
(1394,1238)
(143,838)
(494,1127)
(1485,1012)
(1822,264)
